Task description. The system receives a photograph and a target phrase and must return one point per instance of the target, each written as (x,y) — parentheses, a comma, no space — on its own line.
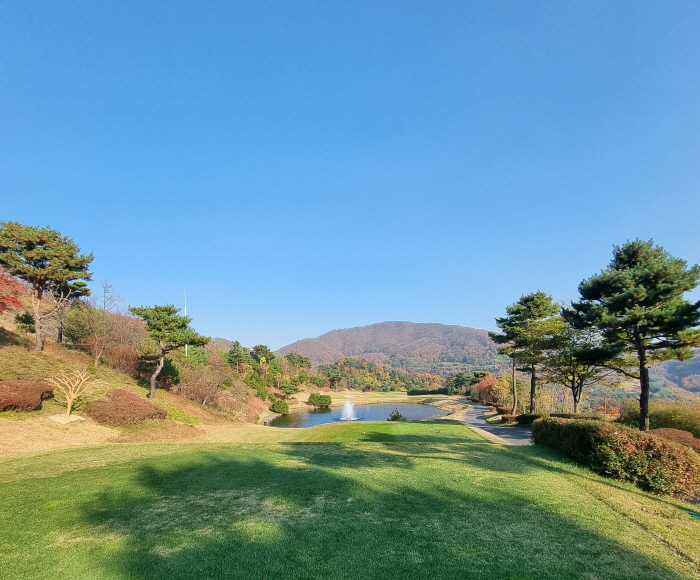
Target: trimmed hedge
(123,408)
(529,418)
(683,437)
(23,395)
(650,462)
(440,391)
(509,418)
(664,415)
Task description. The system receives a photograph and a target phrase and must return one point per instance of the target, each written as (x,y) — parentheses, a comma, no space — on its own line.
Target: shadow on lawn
(322,511)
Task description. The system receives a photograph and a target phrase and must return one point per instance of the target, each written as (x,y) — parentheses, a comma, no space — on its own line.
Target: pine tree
(529,324)
(46,260)
(169,331)
(637,305)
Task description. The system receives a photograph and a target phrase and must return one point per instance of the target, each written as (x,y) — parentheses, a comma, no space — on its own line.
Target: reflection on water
(378,412)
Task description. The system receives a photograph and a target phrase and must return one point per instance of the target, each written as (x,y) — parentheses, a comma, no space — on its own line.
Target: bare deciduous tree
(72,386)
(93,322)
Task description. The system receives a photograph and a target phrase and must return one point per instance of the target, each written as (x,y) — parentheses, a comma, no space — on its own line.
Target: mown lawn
(408,501)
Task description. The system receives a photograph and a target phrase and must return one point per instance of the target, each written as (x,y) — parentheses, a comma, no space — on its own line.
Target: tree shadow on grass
(404,455)
(293,513)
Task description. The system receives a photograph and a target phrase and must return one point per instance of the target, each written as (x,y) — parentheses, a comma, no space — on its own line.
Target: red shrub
(123,408)
(508,418)
(23,395)
(683,437)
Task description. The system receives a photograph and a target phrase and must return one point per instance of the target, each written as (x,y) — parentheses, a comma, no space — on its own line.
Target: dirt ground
(41,433)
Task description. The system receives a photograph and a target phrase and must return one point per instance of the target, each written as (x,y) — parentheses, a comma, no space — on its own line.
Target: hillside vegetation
(437,349)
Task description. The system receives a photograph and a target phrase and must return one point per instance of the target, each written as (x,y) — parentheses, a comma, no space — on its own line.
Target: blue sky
(305,166)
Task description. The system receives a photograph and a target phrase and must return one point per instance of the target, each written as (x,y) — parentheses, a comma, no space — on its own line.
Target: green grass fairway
(403,501)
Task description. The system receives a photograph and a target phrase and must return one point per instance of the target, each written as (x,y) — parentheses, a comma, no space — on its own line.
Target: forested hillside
(438,349)
(685,375)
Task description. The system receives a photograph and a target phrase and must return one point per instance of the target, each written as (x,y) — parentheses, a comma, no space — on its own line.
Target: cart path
(474,417)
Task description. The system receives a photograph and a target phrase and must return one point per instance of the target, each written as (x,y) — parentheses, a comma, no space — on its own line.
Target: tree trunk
(60,331)
(36,307)
(576,395)
(161,363)
(644,394)
(98,354)
(533,386)
(643,381)
(515,392)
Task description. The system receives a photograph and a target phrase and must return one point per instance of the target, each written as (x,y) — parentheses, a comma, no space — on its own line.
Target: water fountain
(348,412)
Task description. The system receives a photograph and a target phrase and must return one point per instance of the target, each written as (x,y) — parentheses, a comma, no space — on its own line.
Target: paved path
(504,435)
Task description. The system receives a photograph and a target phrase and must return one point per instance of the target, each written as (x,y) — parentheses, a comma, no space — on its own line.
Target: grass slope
(402,501)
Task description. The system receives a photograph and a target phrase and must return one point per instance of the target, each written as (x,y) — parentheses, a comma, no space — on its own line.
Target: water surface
(378,412)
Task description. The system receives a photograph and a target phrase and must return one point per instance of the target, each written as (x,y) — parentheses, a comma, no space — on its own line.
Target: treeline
(44,282)
(366,375)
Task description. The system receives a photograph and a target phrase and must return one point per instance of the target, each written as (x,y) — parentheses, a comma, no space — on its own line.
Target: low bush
(320,401)
(664,415)
(23,395)
(650,462)
(506,410)
(440,391)
(509,418)
(683,437)
(123,408)
(395,415)
(529,418)
(280,407)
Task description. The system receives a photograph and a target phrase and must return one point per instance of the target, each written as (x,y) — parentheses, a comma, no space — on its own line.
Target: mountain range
(439,349)
(443,350)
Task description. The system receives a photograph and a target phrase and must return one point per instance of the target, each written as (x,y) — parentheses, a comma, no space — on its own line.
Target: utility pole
(185,291)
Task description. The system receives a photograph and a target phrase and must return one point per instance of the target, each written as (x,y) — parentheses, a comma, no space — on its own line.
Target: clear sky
(304,166)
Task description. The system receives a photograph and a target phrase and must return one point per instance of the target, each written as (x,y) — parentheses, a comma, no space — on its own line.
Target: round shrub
(123,408)
(320,401)
(280,407)
(23,395)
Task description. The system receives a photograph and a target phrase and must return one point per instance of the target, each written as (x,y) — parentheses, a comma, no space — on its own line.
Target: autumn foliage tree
(10,291)
(45,260)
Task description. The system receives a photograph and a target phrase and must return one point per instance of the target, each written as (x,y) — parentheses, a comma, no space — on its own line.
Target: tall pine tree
(637,305)
(529,324)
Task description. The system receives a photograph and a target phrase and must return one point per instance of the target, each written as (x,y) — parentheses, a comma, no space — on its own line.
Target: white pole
(185,291)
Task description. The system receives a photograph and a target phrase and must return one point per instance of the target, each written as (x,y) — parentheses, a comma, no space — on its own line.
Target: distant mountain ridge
(417,347)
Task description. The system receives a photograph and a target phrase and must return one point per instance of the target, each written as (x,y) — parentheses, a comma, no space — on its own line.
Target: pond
(378,412)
